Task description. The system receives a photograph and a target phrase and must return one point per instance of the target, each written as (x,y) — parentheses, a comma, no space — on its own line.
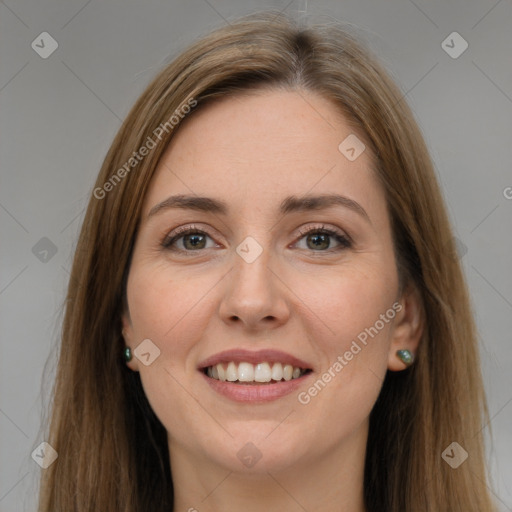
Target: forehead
(257,148)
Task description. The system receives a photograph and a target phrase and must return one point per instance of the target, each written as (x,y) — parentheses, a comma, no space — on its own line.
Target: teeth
(277,371)
(247,372)
(262,372)
(231,372)
(221,372)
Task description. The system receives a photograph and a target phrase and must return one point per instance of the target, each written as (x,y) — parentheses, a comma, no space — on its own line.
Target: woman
(265,308)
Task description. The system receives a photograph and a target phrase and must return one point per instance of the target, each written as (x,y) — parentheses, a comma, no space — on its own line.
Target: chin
(259,448)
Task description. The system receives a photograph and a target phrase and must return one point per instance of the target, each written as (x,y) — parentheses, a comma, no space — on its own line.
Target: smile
(247,373)
(254,376)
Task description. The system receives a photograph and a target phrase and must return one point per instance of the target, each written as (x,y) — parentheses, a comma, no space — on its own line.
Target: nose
(255,295)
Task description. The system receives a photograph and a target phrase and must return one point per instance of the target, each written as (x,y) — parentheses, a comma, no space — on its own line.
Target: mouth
(245,373)
(247,376)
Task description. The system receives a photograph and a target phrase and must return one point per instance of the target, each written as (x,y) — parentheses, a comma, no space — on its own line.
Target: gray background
(59,116)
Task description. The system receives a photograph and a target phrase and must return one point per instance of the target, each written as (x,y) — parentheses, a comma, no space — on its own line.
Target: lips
(254,376)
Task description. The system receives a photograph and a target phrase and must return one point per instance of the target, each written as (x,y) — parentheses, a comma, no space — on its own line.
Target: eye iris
(195,240)
(324,242)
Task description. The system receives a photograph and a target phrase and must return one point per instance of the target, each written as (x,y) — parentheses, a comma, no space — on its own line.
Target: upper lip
(254,357)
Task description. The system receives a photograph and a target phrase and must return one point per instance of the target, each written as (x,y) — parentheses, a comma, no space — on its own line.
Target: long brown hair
(113,452)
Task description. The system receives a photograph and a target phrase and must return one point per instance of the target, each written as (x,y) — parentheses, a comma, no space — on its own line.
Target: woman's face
(280,252)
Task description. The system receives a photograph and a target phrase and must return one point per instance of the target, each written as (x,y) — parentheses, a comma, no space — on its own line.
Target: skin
(252,151)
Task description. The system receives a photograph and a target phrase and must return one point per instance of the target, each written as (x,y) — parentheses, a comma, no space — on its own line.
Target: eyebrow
(288,205)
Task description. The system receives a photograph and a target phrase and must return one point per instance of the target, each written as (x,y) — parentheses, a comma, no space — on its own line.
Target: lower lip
(255,392)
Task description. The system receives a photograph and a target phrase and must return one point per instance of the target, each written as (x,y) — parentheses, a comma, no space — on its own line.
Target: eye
(187,239)
(319,239)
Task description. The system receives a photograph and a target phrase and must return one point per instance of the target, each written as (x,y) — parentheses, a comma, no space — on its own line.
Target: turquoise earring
(405,356)
(127,351)
(127,354)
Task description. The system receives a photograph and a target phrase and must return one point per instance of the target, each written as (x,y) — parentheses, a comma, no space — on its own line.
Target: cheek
(349,299)
(160,301)
(355,320)
(351,327)
(169,311)
(173,309)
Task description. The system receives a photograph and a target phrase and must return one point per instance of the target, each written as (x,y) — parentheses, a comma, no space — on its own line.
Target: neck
(331,482)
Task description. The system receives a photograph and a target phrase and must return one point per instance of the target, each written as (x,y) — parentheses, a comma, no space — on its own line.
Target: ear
(129,340)
(407,327)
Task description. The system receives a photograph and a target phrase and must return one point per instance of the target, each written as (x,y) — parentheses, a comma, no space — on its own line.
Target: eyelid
(343,238)
(323,227)
(180,231)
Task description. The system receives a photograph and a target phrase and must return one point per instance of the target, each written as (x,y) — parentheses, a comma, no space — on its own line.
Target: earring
(127,353)
(405,356)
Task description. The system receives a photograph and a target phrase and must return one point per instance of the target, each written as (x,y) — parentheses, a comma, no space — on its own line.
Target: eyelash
(343,240)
